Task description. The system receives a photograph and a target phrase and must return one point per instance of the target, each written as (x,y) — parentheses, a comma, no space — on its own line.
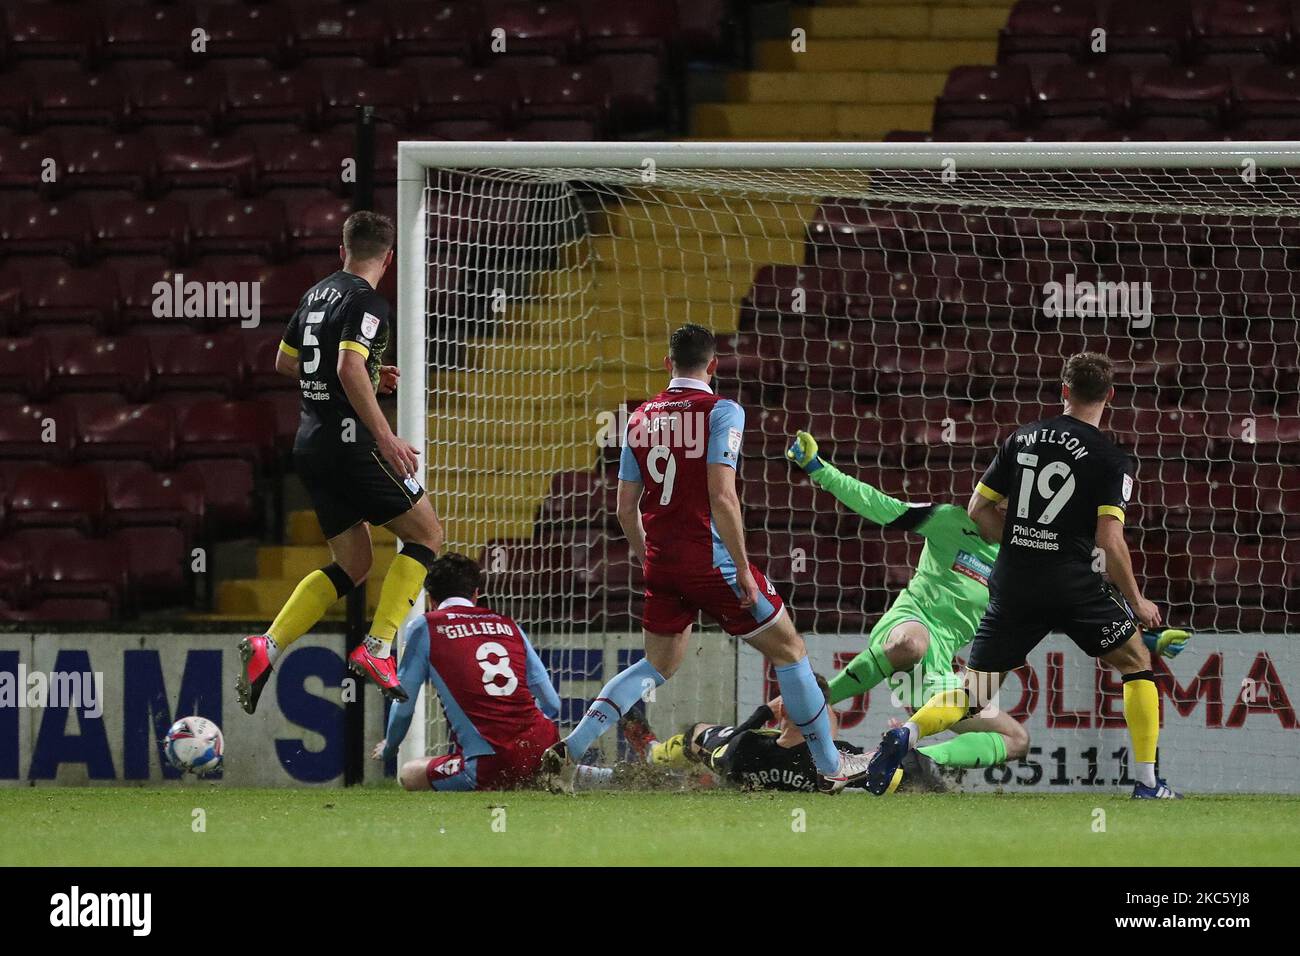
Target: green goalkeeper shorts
(934,673)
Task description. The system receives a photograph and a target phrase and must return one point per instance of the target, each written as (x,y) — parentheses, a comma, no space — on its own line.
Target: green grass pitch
(118,826)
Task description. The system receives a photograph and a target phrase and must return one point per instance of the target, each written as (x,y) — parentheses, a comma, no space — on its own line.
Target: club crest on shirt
(369,325)
(1128,487)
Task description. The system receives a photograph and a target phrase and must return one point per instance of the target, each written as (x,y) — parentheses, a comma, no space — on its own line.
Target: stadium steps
(868,67)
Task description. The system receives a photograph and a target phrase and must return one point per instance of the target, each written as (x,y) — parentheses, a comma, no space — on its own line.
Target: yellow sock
(308,604)
(402,585)
(941,711)
(1142,714)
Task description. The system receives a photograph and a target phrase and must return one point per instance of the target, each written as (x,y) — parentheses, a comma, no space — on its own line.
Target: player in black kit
(356,471)
(1066,486)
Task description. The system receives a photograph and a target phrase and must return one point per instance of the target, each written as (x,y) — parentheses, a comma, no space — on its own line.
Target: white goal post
(911,302)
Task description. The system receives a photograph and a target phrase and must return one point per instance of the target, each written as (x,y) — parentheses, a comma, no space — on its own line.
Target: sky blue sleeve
(412,673)
(726,427)
(539,681)
(628,469)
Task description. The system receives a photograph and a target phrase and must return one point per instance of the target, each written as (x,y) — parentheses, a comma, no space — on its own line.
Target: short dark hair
(368,235)
(453,575)
(1090,376)
(691,347)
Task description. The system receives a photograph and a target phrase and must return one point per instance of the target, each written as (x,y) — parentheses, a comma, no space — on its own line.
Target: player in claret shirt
(678,506)
(494,689)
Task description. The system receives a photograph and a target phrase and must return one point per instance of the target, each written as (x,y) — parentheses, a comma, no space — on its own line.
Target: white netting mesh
(907,319)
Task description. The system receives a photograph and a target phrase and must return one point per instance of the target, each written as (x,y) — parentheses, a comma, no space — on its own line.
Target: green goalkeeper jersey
(950,588)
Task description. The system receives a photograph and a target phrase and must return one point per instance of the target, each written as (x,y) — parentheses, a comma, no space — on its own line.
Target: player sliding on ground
(494,689)
(678,506)
(933,618)
(356,471)
(1066,486)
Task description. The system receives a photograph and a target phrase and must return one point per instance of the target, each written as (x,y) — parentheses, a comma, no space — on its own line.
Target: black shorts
(1024,605)
(349,486)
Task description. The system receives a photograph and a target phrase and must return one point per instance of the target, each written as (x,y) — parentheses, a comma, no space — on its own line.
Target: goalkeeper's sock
(402,586)
(982,749)
(306,605)
(939,713)
(864,672)
(1142,714)
(623,690)
(810,712)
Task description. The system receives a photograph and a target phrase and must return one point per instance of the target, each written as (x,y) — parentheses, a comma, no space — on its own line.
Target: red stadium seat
(1091,91)
(52,31)
(62,610)
(241,226)
(156,561)
(774,495)
(791,292)
(128,432)
(1147,35)
(1236,32)
(61,298)
(854,225)
(1267,91)
(82,364)
(77,98)
(174,98)
(440,33)
(490,94)
(25,367)
(311,159)
(280,96)
(1203,92)
(983,92)
(544,32)
(86,569)
(136,227)
(579,498)
(17,100)
(316,220)
(110,161)
(36,431)
(163,498)
(339,30)
(43,228)
(24,160)
(148,33)
(53,497)
(200,363)
(393,92)
(190,161)
(565,93)
(247,32)
(16,585)
(1047,31)
(229,492)
(633,43)
(221,429)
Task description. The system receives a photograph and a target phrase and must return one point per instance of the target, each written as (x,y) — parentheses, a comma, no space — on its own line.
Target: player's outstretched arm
(412,673)
(865,499)
(1119,567)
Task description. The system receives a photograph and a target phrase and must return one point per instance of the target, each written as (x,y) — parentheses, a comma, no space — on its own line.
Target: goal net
(909,307)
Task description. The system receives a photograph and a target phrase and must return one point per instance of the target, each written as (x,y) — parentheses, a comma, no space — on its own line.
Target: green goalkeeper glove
(1167,643)
(803,452)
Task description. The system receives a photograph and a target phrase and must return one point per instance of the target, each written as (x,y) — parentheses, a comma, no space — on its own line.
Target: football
(194,745)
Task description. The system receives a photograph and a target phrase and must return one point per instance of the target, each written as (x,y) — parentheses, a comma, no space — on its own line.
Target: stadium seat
(81,99)
(310,159)
(776,495)
(1203,92)
(142,227)
(315,220)
(188,161)
(983,93)
(339,32)
(87,569)
(128,432)
(539,32)
(146,497)
(490,94)
(23,159)
(176,98)
(392,92)
(1047,31)
(247,32)
(565,93)
(230,494)
(790,292)
(200,363)
(440,34)
(241,226)
(41,228)
(59,298)
(855,225)
(1267,91)
(16,585)
(1147,35)
(17,100)
(80,364)
(53,497)
(36,432)
(62,610)
(110,161)
(1078,92)
(156,561)
(148,33)
(278,96)
(52,31)
(633,43)
(579,498)
(25,367)
(223,429)
(1241,32)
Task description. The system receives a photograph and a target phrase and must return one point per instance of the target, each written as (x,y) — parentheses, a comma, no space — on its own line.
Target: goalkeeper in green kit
(935,615)
(933,618)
